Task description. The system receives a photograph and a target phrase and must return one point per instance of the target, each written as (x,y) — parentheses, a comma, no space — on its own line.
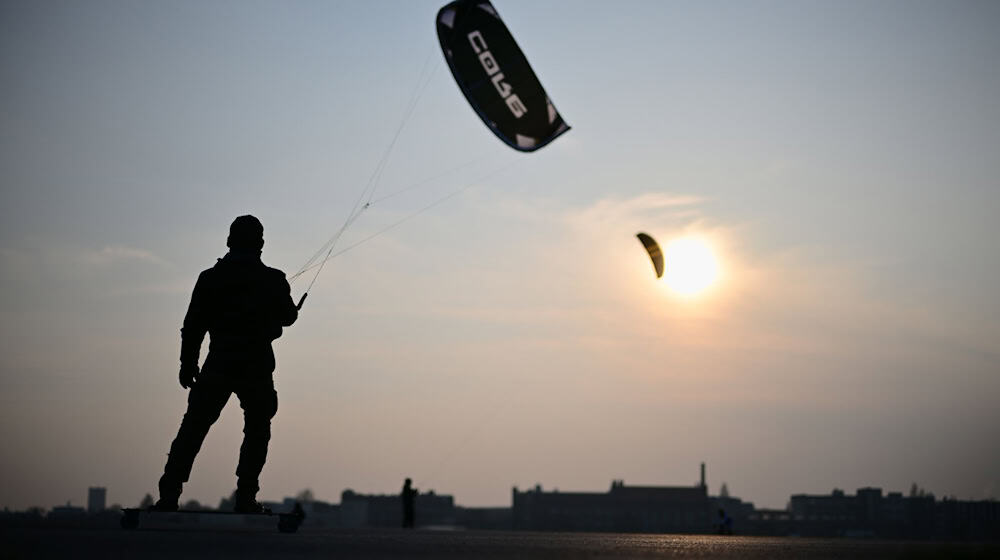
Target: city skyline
(623,508)
(98,494)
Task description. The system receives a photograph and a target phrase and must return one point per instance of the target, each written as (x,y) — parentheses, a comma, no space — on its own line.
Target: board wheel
(287,525)
(130,520)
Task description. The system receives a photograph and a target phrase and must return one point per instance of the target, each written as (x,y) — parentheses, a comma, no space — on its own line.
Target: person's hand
(188,374)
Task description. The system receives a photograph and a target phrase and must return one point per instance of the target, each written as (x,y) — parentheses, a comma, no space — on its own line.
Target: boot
(245,500)
(164,504)
(170,494)
(250,505)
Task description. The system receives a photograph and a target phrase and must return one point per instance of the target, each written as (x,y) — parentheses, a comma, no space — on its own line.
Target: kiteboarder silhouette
(243,305)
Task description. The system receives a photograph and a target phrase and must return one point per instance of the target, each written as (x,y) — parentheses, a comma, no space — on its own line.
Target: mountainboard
(287,522)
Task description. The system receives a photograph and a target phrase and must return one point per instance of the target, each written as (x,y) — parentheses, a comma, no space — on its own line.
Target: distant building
(488,518)
(771,522)
(96,499)
(869,513)
(967,520)
(651,509)
(67,511)
(836,509)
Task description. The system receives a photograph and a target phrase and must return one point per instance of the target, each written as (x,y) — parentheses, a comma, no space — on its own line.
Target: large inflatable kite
(495,75)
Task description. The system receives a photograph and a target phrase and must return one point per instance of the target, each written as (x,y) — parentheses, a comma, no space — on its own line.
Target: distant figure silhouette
(725,523)
(409,496)
(243,305)
(299,512)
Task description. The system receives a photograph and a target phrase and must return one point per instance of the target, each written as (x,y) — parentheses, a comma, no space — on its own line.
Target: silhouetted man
(409,496)
(242,305)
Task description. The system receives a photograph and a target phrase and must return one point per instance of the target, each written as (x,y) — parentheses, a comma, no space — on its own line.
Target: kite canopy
(495,76)
(654,252)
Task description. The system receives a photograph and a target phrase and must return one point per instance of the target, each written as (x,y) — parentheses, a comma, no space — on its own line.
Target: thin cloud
(112,254)
(645,207)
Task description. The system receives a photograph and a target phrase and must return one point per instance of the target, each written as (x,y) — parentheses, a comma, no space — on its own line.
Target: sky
(842,159)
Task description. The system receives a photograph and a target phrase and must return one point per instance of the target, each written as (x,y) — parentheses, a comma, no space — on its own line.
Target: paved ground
(265,542)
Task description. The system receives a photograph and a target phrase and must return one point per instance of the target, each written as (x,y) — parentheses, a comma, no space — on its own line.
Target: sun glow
(690,266)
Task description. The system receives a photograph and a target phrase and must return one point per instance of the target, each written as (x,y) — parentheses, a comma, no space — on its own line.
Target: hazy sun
(690,265)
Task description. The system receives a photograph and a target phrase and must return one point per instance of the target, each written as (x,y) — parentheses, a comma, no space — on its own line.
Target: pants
(259,401)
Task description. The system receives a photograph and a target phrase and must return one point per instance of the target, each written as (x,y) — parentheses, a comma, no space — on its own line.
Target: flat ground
(266,542)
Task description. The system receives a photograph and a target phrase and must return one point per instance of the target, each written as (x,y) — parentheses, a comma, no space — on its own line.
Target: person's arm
(287,311)
(193,331)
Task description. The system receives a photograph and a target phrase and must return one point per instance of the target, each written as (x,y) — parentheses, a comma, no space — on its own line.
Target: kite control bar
(301,301)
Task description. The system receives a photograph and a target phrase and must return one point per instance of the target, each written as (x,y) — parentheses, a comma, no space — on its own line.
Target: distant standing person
(409,497)
(243,305)
(725,523)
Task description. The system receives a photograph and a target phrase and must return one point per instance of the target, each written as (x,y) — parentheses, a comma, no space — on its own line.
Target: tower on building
(96,497)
